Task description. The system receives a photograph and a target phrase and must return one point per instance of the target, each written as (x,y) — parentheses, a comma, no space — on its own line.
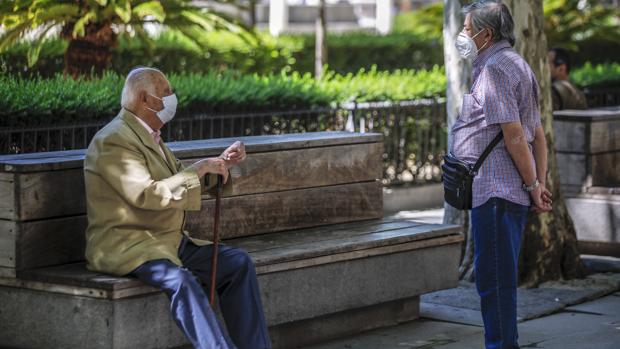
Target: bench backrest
(287,182)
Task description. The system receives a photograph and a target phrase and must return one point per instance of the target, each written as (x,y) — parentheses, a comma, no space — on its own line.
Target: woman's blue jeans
(498,226)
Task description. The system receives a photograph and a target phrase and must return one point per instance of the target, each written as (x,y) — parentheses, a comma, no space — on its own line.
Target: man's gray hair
(494,15)
(138,79)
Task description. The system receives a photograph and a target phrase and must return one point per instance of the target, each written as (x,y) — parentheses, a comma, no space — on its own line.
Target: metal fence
(602,96)
(414,132)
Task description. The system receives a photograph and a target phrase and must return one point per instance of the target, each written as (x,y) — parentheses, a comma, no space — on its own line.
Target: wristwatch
(530,188)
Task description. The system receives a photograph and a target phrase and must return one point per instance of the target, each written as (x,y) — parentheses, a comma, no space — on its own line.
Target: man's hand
(234,154)
(541,198)
(213,165)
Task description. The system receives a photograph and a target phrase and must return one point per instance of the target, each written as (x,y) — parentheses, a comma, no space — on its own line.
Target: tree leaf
(78,28)
(150,8)
(123,10)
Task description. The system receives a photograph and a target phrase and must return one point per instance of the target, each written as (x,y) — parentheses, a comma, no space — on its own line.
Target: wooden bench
(307,207)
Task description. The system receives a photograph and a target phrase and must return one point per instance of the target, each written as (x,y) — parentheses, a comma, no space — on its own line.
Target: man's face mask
(467,46)
(170,108)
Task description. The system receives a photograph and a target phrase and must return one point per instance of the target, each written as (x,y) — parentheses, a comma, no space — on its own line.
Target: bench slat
(287,210)
(40,195)
(61,240)
(52,161)
(361,241)
(314,247)
(302,236)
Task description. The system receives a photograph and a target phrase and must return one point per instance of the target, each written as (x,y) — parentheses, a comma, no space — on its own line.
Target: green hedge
(219,51)
(597,75)
(47,101)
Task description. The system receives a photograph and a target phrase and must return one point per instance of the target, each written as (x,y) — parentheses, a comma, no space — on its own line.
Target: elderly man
(137,194)
(565,94)
(503,98)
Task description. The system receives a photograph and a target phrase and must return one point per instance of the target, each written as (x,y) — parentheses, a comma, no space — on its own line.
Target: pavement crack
(533,345)
(580,312)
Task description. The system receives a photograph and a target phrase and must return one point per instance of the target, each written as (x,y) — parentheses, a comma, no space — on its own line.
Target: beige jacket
(136,200)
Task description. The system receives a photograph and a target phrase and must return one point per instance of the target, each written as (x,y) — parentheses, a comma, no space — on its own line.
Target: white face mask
(467,46)
(170,108)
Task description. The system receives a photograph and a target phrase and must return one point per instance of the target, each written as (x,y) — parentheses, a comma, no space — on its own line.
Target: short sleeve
(500,99)
(536,102)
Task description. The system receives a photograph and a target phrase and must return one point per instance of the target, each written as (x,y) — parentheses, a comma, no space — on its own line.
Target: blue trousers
(497,227)
(237,289)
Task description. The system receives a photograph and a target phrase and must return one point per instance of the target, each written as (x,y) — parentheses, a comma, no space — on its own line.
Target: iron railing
(602,96)
(414,132)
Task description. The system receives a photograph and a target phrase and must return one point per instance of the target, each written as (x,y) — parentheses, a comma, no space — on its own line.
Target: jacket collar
(145,137)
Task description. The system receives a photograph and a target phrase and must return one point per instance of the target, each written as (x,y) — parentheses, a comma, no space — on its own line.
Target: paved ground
(591,325)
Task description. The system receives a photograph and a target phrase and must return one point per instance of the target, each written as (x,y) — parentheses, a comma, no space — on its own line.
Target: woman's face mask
(170,108)
(467,46)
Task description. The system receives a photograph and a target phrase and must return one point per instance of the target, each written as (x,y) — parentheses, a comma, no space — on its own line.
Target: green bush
(426,22)
(221,51)
(47,101)
(350,52)
(596,75)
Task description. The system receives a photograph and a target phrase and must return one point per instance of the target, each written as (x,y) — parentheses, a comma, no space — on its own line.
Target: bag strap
(487,151)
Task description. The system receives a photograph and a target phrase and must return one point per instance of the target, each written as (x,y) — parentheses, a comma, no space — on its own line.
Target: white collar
(146,126)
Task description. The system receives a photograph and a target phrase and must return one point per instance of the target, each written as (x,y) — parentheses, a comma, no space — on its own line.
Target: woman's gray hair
(139,79)
(494,15)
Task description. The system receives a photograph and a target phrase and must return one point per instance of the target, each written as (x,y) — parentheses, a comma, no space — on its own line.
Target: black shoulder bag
(458,177)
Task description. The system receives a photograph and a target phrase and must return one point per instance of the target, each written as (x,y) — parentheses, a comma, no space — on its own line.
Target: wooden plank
(6,272)
(42,243)
(358,254)
(7,195)
(347,244)
(77,275)
(8,243)
(298,237)
(51,161)
(77,291)
(61,240)
(50,242)
(75,279)
(287,210)
(307,168)
(62,193)
(46,194)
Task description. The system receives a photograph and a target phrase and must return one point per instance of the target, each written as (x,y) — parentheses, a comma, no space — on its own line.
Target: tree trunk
(549,249)
(91,53)
(458,73)
(321,43)
(252,13)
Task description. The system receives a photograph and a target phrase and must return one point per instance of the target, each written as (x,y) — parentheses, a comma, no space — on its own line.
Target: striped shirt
(504,90)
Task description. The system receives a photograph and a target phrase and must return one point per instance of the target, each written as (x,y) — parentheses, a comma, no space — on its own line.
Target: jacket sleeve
(209,181)
(124,169)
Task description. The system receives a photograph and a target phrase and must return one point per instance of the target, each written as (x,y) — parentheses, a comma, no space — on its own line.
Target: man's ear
(489,35)
(142,97)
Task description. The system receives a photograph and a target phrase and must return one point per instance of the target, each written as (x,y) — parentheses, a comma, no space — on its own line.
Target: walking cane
(216,237)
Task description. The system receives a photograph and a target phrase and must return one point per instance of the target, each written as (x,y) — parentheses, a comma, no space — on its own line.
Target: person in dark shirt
(565,94)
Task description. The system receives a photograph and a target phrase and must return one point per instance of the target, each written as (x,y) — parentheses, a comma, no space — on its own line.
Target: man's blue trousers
(497,227)
(237,288)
